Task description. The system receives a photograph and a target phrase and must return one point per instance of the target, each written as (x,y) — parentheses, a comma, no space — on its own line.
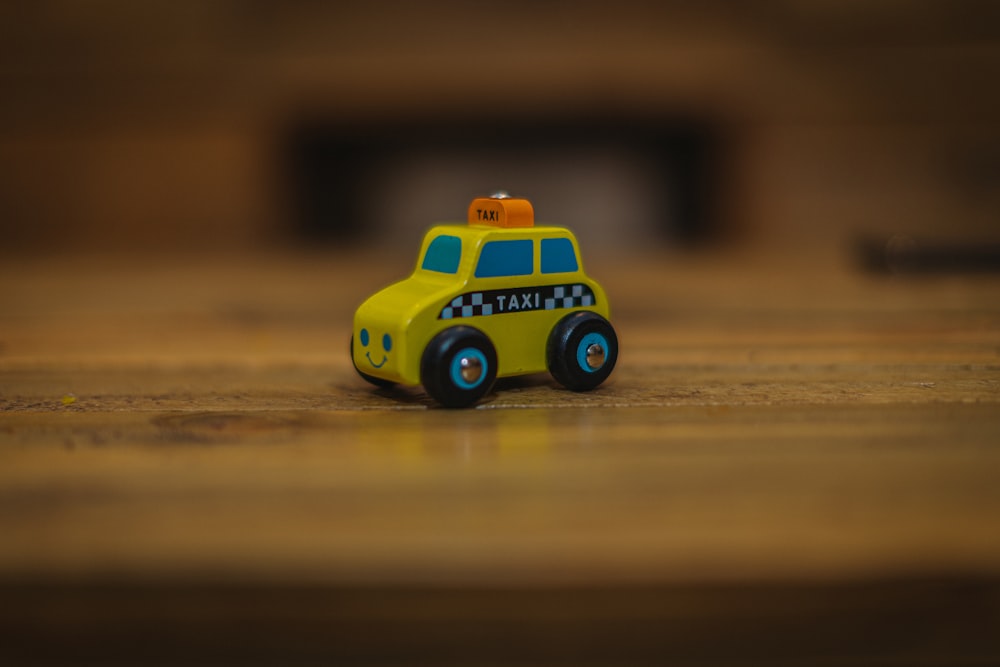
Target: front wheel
(458,367)
(582,351)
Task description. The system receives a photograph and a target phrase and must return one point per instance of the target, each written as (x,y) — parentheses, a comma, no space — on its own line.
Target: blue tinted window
(443,254)
(558,256)
(505,258)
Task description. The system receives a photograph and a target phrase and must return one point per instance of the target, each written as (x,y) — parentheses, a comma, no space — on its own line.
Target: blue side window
(558,256)
(443,254)
(505,258)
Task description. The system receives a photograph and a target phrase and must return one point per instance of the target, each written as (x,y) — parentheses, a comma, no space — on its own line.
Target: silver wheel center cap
(471,369)
(595,355)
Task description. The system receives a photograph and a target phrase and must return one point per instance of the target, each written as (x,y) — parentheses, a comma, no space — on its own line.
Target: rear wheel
(582,351)
(458,367)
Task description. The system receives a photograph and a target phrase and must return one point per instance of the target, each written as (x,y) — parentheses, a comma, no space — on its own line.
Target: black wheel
(378,382)
(459,366)
(582,351)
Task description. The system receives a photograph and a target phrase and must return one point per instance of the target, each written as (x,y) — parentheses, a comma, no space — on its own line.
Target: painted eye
(387,342)
(364,337)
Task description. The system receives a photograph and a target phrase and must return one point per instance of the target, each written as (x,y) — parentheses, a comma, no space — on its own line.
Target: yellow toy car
(495,298)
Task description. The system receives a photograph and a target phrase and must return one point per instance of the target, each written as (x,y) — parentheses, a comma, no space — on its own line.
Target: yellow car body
(512,283)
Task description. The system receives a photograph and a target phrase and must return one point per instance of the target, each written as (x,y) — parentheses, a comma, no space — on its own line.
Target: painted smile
(379,364)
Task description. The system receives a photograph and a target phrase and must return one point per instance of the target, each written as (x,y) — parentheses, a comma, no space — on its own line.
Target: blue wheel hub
(469,368)
(592,352)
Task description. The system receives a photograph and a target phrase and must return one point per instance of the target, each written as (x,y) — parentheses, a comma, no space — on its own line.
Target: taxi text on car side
(496,297)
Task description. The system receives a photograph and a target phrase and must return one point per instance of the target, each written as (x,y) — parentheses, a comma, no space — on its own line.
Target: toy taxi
(496,297)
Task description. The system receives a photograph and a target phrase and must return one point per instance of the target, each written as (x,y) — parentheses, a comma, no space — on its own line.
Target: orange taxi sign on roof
(501,211)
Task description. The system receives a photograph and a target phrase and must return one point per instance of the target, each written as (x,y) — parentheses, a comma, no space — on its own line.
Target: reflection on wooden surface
(786,465)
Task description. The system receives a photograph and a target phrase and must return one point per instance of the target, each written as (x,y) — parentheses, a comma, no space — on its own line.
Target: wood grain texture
(783,446)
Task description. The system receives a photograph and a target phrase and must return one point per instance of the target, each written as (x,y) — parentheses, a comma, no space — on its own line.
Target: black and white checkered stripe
(496,302)
(466,305)
(569,296)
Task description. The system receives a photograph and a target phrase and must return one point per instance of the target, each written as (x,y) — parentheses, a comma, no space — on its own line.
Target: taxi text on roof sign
(501,212)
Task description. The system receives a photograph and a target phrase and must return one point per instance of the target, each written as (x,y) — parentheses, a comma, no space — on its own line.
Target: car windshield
(443,254)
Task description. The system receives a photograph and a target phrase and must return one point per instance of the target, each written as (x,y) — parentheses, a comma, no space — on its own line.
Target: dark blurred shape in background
(606,176)
(230,125)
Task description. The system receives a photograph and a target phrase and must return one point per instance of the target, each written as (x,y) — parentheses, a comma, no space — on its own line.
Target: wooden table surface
(793,462)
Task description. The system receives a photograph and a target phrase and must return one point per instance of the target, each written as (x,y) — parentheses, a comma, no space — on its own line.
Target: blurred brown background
(224,124)
(794,462)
